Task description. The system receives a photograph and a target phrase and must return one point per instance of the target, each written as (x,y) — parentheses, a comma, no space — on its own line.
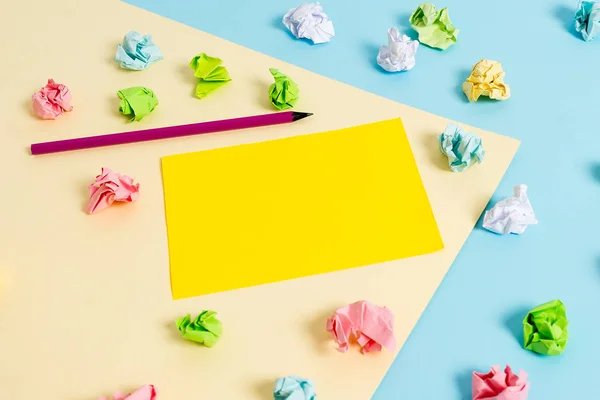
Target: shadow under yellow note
(265,212)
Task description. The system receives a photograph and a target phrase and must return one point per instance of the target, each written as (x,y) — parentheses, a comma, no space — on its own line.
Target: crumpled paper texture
(399,54)
(146,392)
(434,27)
(294,388)
(545,328)
(587,19)
(461,148)
(137,52)
(137,101)
(371,325)
(109,187)
(210,73)
(500,385)
(486,79)
(52,100)
(308,21)
(511,215)
(204,329)
(284,93)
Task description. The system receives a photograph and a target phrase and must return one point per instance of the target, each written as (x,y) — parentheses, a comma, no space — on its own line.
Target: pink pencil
(167,132)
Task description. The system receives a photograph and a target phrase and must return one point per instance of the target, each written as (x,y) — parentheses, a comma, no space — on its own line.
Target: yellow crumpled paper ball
(487,79)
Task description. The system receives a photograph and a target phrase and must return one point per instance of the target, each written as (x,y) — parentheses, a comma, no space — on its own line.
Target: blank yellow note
(266,212)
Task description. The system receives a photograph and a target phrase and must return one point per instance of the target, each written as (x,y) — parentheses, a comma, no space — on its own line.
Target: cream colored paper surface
(85,301)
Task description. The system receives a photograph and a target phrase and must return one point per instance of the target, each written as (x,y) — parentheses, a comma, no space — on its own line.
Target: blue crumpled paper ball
(294,388)
(137,52)
(461,148)
(587,19)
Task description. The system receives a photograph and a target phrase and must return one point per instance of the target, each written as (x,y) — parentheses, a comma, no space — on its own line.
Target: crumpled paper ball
(146,392)
(461,148)
(546,328)
(434,27)
(52,100)
(109,187)
(284,93)
(308,21)
(511,215)
(137,101)
(487,79)
(371,325)
(500,385)
(399,54)
(294,388)
(137,52)
(210,73)
(587,19)
(204,329)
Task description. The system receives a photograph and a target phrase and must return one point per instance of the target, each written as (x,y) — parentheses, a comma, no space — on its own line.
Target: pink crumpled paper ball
(371,325)
(500,385)
(146,392)
(110,187)
(52,100)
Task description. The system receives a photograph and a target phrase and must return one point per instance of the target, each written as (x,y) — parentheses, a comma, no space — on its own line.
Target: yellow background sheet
(265,212)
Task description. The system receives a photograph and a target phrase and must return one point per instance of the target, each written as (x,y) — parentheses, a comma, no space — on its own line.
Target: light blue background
(474,319)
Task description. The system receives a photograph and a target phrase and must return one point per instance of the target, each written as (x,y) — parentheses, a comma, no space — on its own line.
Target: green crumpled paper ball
(137,101)
(210,73)
(204,329)
(545,328)
(284,93)
(434,27)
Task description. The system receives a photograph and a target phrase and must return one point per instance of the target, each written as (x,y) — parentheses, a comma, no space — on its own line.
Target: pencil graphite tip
(299,115)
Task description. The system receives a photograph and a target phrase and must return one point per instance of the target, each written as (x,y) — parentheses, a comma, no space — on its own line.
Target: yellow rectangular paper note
(266,212)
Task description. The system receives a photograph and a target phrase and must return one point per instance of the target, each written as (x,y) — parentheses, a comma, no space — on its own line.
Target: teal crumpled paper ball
(137,52)
(461,148)
(587,19)
(294,388)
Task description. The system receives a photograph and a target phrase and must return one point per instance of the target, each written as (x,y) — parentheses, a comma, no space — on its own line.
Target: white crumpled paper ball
(399,54)
(308,21)
(511,215)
